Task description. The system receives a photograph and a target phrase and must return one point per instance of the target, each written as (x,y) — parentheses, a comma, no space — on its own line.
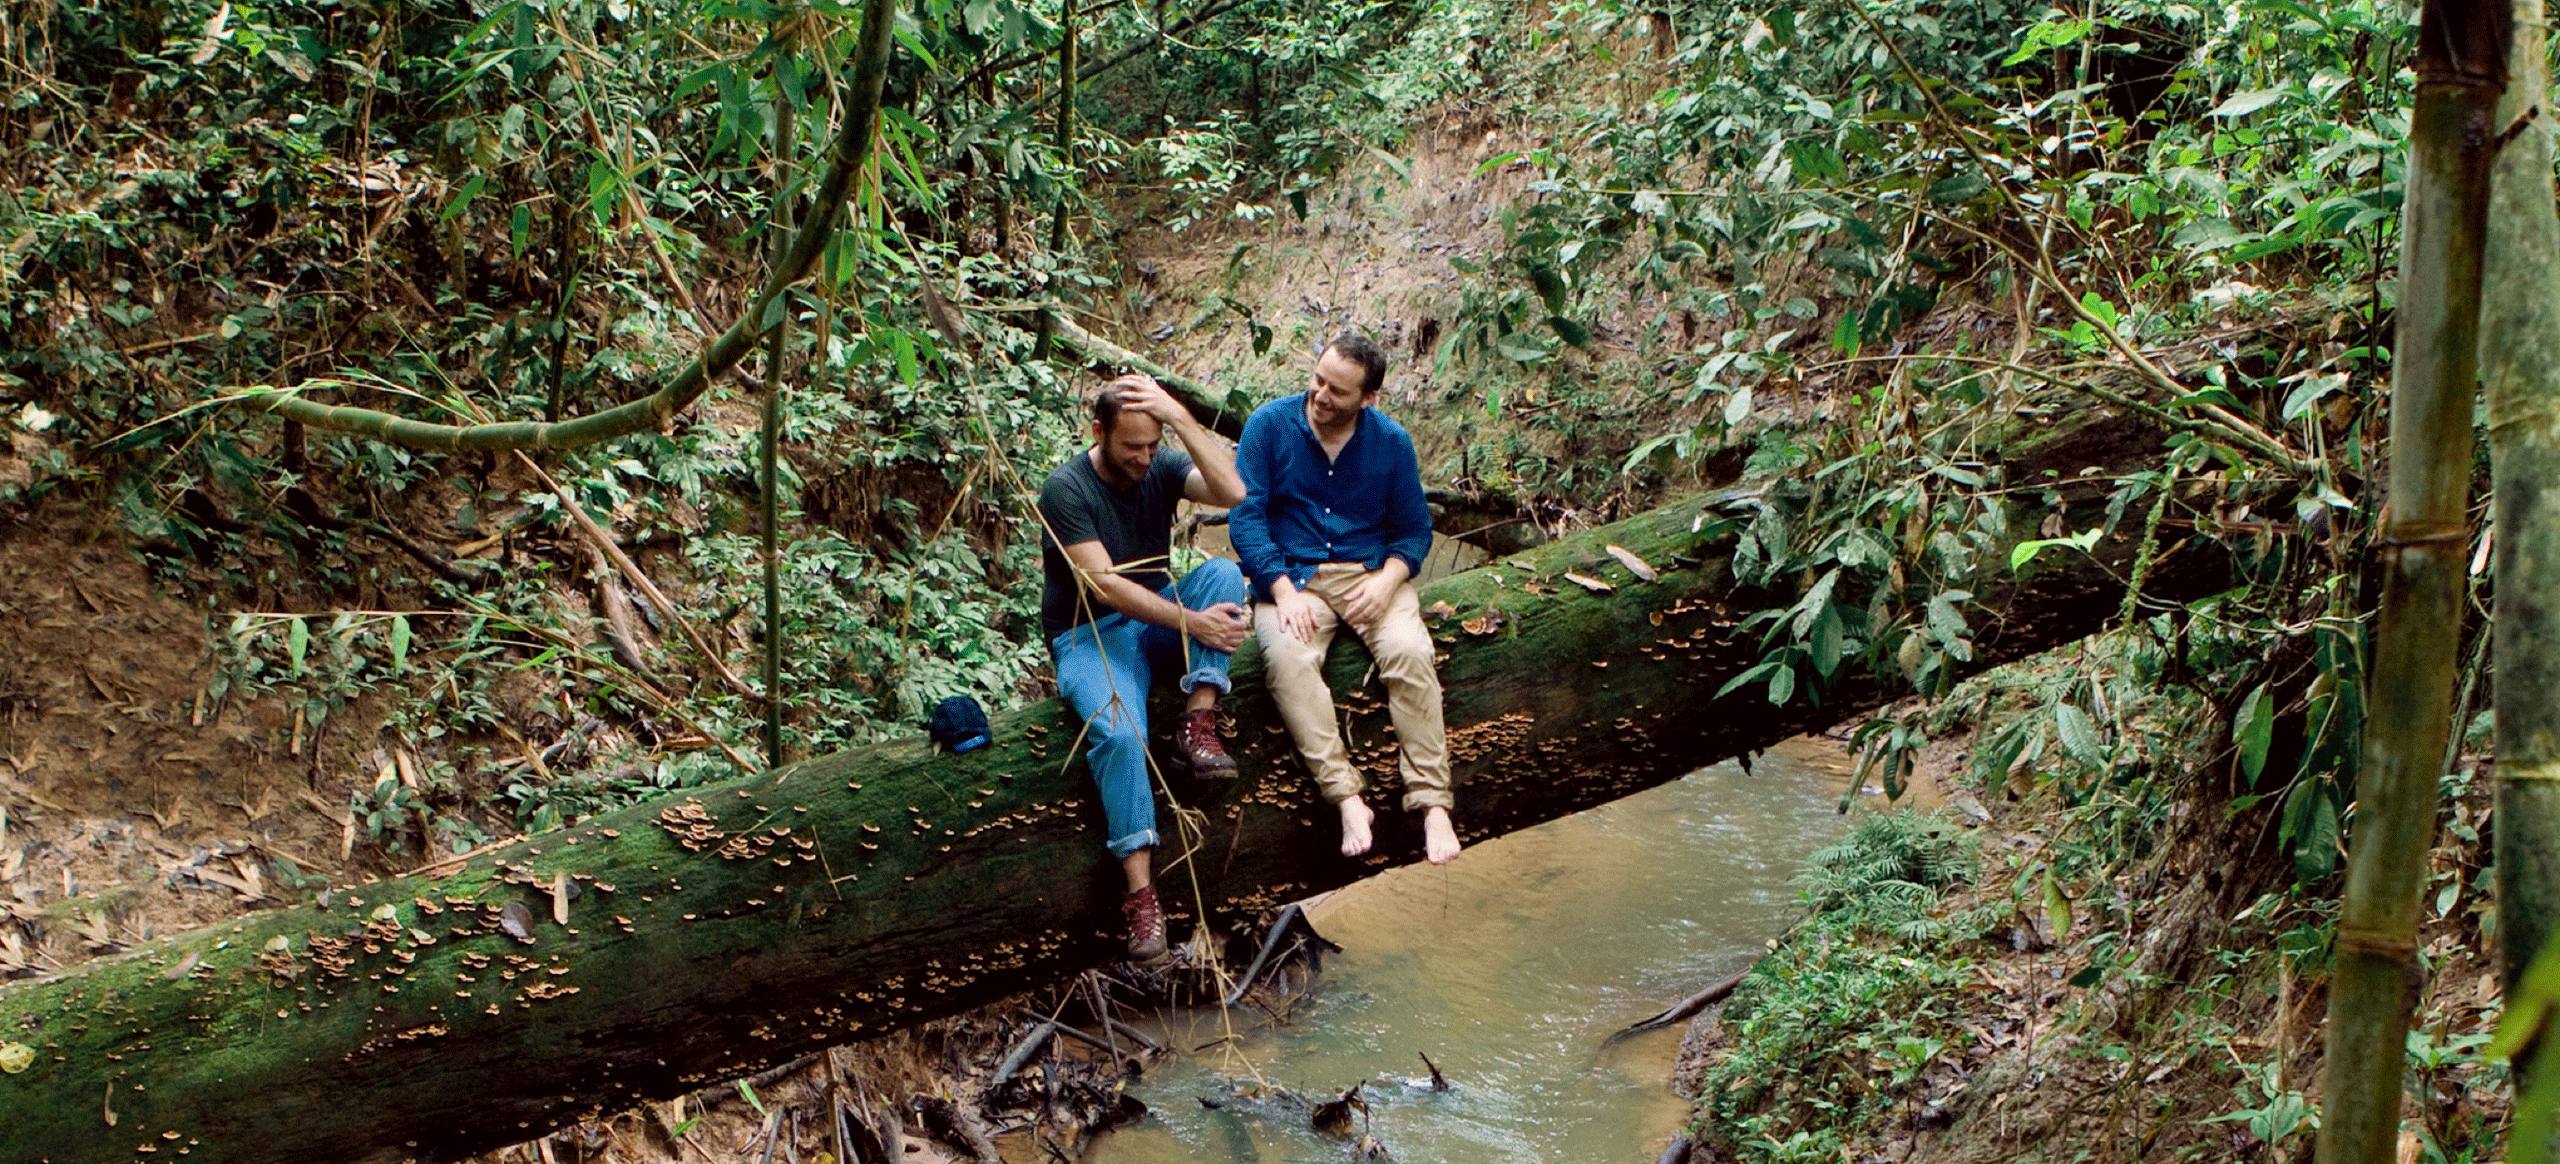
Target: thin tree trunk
(2520,367)
(1067,157)
(745,923)
(786,141)
(2462,55)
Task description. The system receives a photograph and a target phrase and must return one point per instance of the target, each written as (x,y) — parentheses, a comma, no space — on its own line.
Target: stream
(1509,968)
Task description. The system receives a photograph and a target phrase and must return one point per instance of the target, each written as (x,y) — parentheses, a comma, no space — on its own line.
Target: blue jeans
(1104,668)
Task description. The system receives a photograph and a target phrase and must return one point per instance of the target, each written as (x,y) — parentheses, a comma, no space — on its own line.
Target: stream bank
(2065,964)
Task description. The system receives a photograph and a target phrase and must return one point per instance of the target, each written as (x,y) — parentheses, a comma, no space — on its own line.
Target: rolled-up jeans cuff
(1142,839)
(1213,676)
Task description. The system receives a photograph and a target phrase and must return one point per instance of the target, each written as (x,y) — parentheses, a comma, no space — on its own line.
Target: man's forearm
(1215,459)
(1138,602)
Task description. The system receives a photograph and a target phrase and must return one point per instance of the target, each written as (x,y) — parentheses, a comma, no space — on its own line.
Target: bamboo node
(2378,944)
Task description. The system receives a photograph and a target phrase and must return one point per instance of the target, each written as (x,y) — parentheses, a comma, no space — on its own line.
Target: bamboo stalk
(2521,309)
(785,134)
(852,148)
(1066,154)
(2461,66)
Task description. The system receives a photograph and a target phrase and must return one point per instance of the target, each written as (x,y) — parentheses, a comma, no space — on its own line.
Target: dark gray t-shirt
(1135,526)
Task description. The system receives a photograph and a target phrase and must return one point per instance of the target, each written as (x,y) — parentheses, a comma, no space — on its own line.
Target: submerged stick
(1714,993)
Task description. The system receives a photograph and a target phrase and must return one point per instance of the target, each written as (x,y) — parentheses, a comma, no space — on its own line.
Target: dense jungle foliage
(1830,249)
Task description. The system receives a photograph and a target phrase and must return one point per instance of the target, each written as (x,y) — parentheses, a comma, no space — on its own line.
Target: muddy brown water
(1510,968)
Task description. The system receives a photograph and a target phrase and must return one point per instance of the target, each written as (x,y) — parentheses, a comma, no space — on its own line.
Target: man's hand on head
(1141,393)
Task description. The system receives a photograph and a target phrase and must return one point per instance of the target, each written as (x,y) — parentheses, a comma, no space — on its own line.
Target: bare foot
(1439,837)
(1356,816)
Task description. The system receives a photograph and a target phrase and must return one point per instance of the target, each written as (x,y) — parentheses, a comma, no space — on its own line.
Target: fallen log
(746,923)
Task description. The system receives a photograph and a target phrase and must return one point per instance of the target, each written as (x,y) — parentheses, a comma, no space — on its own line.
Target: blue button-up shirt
(1303,509)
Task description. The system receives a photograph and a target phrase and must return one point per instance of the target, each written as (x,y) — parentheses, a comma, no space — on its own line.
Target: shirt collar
(1359,424)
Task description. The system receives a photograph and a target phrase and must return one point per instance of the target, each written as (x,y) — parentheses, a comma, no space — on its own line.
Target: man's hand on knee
(1221,627)
(1369,597)
(1297,610)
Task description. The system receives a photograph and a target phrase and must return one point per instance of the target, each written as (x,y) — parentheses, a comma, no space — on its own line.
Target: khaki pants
(1402,649)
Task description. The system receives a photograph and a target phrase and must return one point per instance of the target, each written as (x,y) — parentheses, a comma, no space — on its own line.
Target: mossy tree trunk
(2520,367)
(733,927)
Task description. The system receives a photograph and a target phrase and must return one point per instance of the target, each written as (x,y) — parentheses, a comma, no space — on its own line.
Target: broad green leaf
(2057,908)
(2079,735)
(2243,104)
(1738,405)
(399,641)
(471,187)
(2051,34)
(16,1057)
(2026,551)
(1962,187)
(1844,336)
(1946,623)
(2299,402)
(2253,729)
(1756,674)
(1525,348)
(1782,685)
(297,643)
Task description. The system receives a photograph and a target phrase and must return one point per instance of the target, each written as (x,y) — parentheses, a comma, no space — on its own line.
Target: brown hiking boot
(1195,741)
(1146,925)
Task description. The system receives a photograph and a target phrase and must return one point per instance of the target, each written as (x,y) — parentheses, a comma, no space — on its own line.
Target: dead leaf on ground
(560,897)
(184,965)
(1634,564)
(1589,583)
(517,921)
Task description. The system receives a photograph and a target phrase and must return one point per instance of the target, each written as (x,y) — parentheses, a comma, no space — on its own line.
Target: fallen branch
(1021,1054)
(1715,992)
(620,628)
(604,544)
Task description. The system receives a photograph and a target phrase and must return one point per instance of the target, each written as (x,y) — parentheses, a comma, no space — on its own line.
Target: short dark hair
(1106,407)
(1359,349)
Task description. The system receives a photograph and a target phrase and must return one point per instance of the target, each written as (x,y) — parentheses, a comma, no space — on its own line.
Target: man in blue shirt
(1332,530)
(1115,617)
